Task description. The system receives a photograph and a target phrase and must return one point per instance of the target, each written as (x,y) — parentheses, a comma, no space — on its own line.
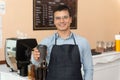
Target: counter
(5,74)
(106,67)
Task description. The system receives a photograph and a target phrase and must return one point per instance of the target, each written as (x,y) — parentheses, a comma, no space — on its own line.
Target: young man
(66,51)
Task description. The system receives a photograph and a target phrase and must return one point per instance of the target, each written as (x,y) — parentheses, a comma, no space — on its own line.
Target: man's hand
(36,54)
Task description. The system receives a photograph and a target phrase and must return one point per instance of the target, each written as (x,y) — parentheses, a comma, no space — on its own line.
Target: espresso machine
(18,54)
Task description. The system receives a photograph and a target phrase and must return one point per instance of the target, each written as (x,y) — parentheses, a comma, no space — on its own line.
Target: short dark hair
(62,7)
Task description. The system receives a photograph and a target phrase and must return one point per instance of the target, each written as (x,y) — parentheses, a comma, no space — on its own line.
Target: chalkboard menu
(43,13)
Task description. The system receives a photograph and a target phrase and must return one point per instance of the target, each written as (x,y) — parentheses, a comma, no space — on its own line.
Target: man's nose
(61,19)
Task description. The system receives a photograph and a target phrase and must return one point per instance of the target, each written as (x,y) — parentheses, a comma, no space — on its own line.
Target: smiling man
(66,51)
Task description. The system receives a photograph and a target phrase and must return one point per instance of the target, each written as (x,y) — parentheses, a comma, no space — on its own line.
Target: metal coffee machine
(18,53)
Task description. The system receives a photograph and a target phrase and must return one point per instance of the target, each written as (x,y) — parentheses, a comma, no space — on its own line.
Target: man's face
(62,20)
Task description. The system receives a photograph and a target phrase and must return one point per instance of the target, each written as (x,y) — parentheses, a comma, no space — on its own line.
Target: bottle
(117,43)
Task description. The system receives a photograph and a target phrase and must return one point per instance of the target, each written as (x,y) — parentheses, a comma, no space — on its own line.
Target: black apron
(64,62)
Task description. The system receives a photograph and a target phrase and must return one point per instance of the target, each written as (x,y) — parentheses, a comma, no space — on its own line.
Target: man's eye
(65,17)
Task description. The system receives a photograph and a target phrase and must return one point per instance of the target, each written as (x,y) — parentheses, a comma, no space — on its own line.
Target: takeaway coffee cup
(41,69)
(43,51)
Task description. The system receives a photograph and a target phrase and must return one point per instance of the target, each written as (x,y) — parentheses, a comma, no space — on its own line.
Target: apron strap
(56,38)
(74,38)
